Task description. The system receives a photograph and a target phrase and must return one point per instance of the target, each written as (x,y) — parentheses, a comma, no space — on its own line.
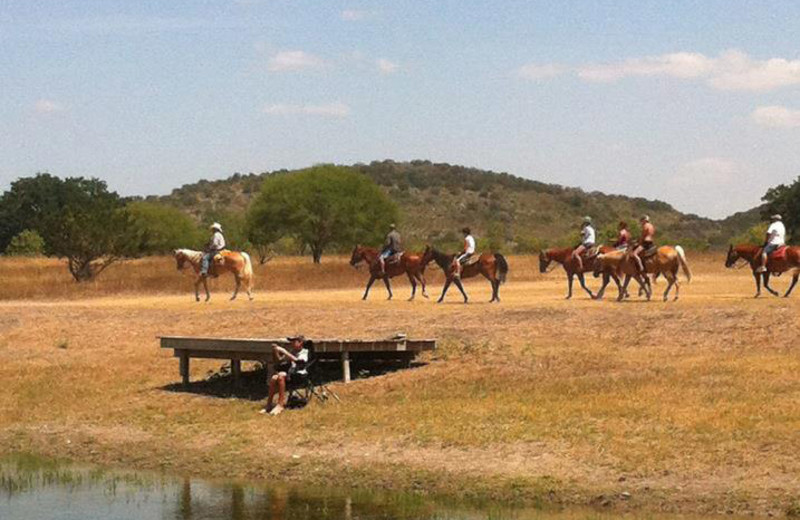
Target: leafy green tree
(321,207)
(79,219)
(27,243)
(785,200)
(160,228)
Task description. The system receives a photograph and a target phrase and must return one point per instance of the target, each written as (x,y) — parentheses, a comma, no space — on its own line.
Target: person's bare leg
(383,265)
(763,267)
(271,395)
(639,263)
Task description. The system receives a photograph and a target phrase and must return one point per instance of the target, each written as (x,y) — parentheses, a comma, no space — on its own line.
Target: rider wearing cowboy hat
(214,246)
(391,246)
(776,237)
(587,241)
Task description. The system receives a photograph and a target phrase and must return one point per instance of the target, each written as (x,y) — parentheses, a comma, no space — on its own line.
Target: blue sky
(693,102)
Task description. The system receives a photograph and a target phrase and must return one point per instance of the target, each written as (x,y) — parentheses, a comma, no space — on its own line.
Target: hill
(511,212)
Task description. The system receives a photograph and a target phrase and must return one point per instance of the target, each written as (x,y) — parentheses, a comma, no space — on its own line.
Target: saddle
(779,254)
(474,259)
(650,251)
(592,252)
(395,258)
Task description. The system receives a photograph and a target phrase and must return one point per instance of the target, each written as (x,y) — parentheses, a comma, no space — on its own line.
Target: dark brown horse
(411,264)
(752,255)
(564,257)
(493,266)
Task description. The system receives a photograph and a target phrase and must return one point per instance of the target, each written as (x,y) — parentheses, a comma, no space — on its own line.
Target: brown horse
(411,264)
(564,257)
(493,266)
(238,264)
(666,261)
(752,255)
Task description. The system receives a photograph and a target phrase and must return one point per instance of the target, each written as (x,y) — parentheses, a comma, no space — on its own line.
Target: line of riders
(391,260)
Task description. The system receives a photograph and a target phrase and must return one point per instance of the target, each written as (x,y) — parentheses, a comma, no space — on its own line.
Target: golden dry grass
(693,405)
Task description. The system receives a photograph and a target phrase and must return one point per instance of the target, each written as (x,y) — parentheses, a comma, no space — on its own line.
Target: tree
(160,228)
(321,207)
(79,219)
(785,200)
(27,243)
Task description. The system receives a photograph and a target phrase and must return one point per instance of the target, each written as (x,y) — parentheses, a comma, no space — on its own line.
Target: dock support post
(184,357)
(346,366)
(236,370)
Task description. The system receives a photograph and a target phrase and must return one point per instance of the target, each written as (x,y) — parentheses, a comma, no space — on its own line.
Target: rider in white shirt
(214,246)
(776,237)
(466,253)
(588,237)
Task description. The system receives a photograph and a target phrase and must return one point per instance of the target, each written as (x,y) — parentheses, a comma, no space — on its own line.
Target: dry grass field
(687,406)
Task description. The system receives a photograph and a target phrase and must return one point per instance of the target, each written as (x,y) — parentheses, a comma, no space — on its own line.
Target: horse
(411,264)
(238,264)
(666,261)
(493,266)
(564,257)
(752,255)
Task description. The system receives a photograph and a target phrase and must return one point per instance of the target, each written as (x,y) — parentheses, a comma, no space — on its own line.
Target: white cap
(776,217)
(216,226)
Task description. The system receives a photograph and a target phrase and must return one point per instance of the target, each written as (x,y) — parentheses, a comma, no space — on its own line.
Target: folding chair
(305,383)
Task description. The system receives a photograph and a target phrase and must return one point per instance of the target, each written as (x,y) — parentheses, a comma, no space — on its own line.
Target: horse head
(544,260)
(733,256)
(180,258)
(357,256)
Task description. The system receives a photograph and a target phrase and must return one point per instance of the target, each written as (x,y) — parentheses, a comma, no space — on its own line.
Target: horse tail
(247,271)
(502,267)
(684,263)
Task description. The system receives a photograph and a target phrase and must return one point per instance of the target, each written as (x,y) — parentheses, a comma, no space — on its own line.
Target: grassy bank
(690,406)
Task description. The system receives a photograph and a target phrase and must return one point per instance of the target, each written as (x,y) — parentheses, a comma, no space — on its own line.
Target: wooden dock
(260,349)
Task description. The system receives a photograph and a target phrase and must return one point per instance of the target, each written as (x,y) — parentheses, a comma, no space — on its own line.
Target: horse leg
(582,280)
(569,285)
(197,289)
(388,287)
(670,282)
(421,278)
(772,291)
(205,286)
(369,284)
(794,282)
(757,276)
(461,288)
(444,290)
(496,285)
(602,290)
(413,287)
(236,289)
(624,288)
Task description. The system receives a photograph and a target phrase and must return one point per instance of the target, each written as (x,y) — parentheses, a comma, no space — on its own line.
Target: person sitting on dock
(287,363)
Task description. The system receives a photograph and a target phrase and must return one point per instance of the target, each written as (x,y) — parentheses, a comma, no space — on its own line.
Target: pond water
(32,489)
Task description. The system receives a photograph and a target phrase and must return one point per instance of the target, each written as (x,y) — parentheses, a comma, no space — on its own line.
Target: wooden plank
(225,354)
(320,345)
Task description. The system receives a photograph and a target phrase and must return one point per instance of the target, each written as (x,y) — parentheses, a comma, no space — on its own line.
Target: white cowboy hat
(776,217)
(216,226)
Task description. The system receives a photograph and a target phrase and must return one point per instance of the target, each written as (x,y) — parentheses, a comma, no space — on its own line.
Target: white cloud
(352,15)
(776,117)
(731,70)
(48,106)
(536,72)
(679,65)
(337,110)
(387,67)
(293,60)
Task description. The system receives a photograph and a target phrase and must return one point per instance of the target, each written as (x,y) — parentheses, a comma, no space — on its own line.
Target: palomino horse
(493,266)
(752,255)
(666,261)
(564,257)
(238,264)
(411,264)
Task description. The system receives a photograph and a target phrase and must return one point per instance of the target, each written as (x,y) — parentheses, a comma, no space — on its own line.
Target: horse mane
(746,248)
(190,254)
(443,260)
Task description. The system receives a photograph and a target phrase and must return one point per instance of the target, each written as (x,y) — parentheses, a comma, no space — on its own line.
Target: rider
(587,241)
(466,253)
(624,236)
(646,241)
(391,246)
(215,244)
(776,237)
